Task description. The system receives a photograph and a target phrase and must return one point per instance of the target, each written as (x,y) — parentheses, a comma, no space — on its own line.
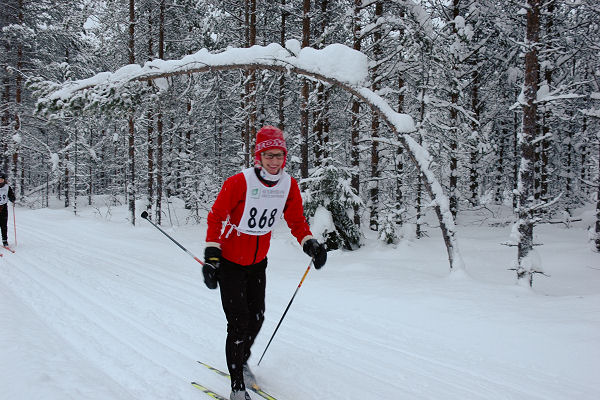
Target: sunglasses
(271,156)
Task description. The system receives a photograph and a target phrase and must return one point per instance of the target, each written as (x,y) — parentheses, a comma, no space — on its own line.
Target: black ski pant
(243,300)
(4,221)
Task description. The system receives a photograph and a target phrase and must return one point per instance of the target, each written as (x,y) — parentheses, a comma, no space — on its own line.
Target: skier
(237,242)
(6,194)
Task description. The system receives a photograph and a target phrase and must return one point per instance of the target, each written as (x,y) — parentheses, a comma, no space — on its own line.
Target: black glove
(210,269)
(317,251)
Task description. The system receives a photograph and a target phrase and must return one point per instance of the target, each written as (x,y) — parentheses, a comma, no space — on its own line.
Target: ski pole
(15,224)
(145,216)
(286,310)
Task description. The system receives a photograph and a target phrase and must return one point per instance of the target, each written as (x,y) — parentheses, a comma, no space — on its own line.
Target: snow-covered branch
(336,64)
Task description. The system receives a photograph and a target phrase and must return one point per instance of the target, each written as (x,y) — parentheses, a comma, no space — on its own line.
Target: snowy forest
(504,95)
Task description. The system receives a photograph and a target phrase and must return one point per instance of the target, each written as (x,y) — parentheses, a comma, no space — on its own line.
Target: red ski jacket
(242,248)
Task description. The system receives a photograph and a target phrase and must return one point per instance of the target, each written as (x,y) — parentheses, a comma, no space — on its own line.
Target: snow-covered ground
(93,308)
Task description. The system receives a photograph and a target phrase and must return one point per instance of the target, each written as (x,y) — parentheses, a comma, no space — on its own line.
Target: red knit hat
(267,138)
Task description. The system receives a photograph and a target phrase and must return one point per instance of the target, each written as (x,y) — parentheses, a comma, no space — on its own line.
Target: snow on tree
(336,64)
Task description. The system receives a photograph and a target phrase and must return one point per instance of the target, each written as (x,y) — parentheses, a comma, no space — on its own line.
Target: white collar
(270,177)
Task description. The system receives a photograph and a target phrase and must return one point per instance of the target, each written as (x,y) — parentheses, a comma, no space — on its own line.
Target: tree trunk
(150,157)
(281,97)
(319,109)
(150,118)
(544,158)
(516,158)
(91,171)
(159,120)
(219,149)
(499,190)
(569,195)
(252,86)
(474,161)
(47,195)
(188,183)
(75,171)
(546,123)
(537,173)
(67,175)
(5,114)
(454,123)
(131,169)
(248,99)
(399,158)
(419,188)
(131,125)
(304,117)
(527,146)
(326,125)
(159,165)
(318,127)
(597,240)
(355,117)
(18,91)
(161,30)
(374,183)
(584,156)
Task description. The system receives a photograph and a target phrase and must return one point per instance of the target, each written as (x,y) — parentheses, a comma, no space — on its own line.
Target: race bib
(264,205)
(4,194)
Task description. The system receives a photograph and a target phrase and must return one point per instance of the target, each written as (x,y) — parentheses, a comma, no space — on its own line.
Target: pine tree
(330,188)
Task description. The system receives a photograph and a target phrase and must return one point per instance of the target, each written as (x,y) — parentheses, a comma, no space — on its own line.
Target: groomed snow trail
(103,310)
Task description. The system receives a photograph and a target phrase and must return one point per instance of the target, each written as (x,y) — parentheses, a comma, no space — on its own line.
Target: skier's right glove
(317,251)
(210,269)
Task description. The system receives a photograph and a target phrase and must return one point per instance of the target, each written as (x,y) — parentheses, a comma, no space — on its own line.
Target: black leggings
(243,300)
(4,221)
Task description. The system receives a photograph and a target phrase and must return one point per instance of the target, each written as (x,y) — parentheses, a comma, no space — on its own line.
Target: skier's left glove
(210,269)
(317,251)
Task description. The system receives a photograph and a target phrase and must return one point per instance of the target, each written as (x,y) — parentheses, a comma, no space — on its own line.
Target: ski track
(112,305)
(136,273)
(71,300)
(30,336)
(414,376)
(116,277)
(144,275)
(95,327)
